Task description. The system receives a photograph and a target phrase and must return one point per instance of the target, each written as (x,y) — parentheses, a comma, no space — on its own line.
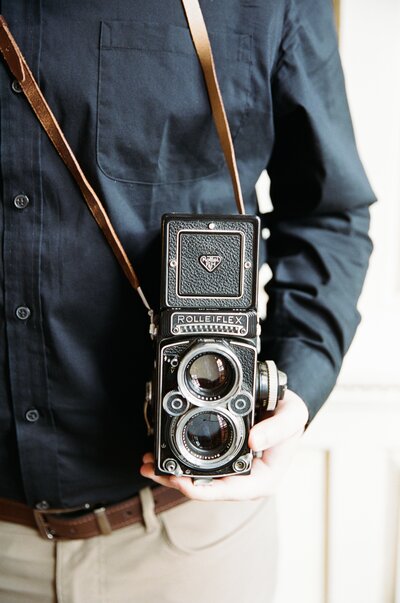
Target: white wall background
(340,503)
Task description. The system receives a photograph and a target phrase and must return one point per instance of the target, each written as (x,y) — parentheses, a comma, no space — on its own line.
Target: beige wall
(340,503)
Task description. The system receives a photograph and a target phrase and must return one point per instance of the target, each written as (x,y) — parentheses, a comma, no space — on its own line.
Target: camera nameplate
(216,323)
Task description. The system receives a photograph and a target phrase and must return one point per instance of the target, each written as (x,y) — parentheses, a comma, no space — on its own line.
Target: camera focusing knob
(282,384)
(272,385)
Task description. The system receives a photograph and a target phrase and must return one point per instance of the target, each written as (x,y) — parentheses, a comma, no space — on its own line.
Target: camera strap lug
(150,312)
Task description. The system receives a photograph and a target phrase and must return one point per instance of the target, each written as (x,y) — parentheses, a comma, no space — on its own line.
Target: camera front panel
(205,406)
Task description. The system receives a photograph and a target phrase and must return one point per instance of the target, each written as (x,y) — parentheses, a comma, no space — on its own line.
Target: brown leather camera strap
(24,76)
(202,45)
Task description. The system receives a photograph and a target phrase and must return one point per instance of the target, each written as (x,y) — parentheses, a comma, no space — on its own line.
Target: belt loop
(148,510)
(102,521)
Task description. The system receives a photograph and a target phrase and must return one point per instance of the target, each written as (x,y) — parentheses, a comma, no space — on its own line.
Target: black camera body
(208,387)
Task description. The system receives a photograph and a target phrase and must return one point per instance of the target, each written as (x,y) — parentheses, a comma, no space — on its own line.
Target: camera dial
(241,404)
(271,385)
(174,404)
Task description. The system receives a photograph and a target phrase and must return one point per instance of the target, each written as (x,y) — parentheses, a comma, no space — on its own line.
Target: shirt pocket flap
(154,122)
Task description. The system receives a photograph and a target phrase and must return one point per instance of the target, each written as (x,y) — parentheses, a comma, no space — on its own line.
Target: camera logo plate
(215,323)
(210,262)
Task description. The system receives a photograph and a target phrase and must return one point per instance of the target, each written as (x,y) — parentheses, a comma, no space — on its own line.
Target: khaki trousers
(198,552)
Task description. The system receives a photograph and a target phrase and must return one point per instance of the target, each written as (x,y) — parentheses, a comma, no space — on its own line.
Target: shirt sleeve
(319,246)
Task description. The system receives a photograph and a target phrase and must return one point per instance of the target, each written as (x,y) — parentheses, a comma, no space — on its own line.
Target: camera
(208,387)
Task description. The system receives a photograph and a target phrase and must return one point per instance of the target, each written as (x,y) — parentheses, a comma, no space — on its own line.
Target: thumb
(290,417)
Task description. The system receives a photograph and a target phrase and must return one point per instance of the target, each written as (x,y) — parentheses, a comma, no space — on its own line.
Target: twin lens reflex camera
(208,387)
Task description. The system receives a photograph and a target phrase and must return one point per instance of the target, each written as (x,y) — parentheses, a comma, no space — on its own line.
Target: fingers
(263,480)
(148,457)
(183,484)
(280,456)
(290,418)
(218,489)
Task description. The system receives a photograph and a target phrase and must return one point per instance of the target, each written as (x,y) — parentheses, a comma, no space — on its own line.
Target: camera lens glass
(210,375)
(208,435)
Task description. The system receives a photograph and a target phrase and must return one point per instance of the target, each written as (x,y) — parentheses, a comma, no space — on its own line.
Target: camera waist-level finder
(208,387)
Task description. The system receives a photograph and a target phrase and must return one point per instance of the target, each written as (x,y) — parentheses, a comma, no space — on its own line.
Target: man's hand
(277,437)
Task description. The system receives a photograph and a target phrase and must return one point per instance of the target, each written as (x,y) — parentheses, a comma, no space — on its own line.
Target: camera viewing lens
(208,434)
(210,375)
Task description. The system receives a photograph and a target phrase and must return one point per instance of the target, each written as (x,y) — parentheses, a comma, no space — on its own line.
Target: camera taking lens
(207,434)
(206,437)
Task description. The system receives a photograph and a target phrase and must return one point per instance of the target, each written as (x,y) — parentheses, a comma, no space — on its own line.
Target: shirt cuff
(311,375)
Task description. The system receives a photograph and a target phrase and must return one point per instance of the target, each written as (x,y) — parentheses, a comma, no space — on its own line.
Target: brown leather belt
(53,525)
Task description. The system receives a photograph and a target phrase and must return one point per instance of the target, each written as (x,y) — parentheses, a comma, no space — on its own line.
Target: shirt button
(23,312)
(21,201)
(32,415)
(42,505)
(15,85)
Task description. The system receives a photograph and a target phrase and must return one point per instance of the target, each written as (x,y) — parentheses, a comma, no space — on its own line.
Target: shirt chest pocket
(154,123)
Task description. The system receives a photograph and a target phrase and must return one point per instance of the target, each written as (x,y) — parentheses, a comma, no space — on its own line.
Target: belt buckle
(40,516)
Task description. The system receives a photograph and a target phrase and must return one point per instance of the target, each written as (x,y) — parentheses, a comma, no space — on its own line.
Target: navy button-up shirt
(124,82)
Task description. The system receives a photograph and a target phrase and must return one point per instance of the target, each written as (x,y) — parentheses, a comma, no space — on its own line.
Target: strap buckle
(43,525)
